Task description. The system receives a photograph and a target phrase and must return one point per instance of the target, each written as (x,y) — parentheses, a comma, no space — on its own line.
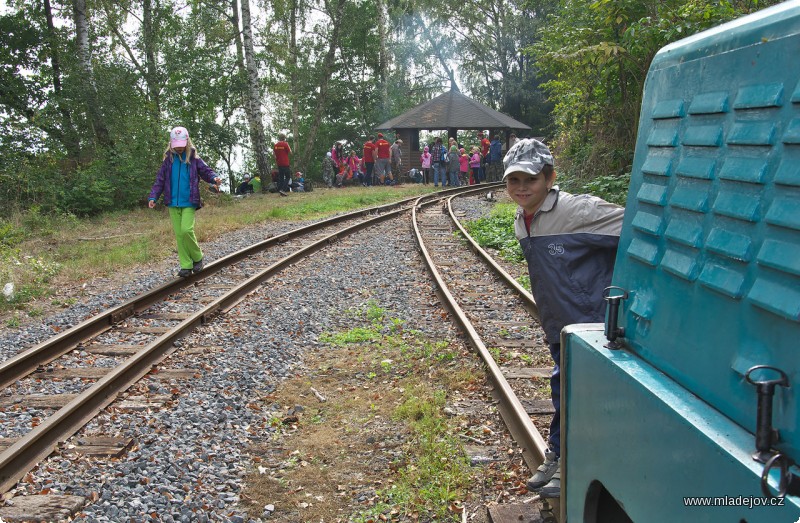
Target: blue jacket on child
(164,179)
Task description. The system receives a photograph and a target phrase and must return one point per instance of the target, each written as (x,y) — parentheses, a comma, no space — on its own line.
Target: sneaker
(282,193)
(545,471)
(185,273)
(198,266)
(553,488)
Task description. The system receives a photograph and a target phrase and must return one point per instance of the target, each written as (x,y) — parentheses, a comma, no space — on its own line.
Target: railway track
(494,312)
(107,353)
(126,342)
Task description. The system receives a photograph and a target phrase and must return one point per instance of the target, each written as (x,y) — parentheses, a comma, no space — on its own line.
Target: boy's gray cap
(527,155)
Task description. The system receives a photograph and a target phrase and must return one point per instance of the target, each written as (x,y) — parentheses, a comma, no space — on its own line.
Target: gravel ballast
(190,454)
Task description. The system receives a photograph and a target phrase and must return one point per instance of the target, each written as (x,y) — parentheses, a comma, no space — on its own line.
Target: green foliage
(612,189)
(596,57)
(496,231)
(88,192)
(374,312)
(525,281)
(10,235)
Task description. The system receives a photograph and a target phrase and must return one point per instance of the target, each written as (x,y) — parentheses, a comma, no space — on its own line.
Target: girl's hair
(190,149)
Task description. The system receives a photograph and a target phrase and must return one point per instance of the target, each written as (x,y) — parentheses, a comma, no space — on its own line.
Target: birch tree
(253,96)
(89,89)
(383,60)
(293,5)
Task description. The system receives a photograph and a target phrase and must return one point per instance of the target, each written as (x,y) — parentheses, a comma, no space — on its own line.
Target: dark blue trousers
(554,440)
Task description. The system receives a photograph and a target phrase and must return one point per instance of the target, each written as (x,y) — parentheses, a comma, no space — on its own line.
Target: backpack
(444,157)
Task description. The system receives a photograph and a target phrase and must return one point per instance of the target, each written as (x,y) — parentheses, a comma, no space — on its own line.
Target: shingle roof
(452,110)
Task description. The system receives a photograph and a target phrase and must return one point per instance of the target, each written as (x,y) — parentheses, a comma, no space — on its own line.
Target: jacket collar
(550,200)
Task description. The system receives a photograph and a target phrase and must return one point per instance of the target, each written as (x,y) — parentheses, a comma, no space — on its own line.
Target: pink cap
(178,137)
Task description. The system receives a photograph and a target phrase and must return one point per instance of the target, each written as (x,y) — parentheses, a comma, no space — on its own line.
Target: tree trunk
(89,89)
(151,75)
(324,79)
(383,60)
(71,141)
(237,38)
(253,96)
(293,74)
(365,126)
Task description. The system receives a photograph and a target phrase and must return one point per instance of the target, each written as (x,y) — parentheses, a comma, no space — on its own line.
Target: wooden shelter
(451,112)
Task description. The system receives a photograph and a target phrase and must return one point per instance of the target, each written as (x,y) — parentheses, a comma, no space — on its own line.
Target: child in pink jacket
(425,159)
(463,161)
(475,165)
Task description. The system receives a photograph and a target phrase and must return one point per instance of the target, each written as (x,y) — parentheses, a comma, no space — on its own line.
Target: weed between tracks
(380,448)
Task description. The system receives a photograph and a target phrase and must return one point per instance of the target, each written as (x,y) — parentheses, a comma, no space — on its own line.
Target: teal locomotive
(684,406)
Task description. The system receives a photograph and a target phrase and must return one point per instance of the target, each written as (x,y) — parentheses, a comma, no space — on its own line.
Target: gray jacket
(570,252)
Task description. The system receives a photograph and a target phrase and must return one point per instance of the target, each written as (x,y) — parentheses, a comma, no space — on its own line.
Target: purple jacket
(197,167)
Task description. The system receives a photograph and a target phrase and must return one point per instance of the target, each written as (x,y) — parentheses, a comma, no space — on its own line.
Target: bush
(10,235)
(88,192)
(611,188)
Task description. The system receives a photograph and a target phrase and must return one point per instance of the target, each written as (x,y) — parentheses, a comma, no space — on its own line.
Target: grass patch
(438,473)
(496,231)
(356,335)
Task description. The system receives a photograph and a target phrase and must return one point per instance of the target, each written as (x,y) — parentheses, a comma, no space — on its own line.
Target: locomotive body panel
(709,257)
(660,451)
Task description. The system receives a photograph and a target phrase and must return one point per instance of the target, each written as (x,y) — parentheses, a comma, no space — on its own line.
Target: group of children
(460,168)
(340,169)
(569,242)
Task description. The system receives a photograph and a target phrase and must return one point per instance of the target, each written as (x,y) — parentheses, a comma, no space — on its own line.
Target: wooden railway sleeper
(122,314)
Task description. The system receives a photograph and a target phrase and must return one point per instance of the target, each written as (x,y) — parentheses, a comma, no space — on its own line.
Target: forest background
(90,88)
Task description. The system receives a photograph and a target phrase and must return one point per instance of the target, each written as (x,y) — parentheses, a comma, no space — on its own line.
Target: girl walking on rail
(178,180)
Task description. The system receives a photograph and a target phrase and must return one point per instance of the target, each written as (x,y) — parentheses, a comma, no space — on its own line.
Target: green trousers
(183,224)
